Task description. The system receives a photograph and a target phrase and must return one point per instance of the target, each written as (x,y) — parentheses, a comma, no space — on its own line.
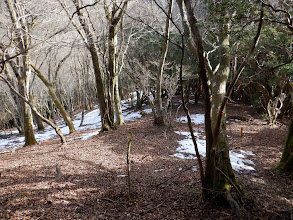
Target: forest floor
(87,178)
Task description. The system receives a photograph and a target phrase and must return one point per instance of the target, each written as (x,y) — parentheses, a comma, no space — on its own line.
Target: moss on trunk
(286,163)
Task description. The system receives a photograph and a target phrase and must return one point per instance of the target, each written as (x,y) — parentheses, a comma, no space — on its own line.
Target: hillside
(86,178)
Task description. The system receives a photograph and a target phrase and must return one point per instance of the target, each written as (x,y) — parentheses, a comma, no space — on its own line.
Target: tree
(218,177)
(152,68)
(281,17)
(33,108)
(158,114)
(286,163)
(266,81)
(16,102)
(50,87)
(22,23)
(114,14)
(87,33)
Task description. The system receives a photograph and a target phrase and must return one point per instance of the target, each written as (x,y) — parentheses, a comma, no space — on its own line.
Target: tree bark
(36,118)
(286,162)
(218,83)
(118,108)
(210,168)
(158,114)
(114,18)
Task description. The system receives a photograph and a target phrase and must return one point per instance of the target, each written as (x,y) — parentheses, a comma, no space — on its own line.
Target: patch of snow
(158,170)
(194,168)
(121,175)
(15,131)
(183,156)
(131,116)
(148,111)
(92,121)
(186,150)
(186,145)
(89,135)
(239,162)
(232,121)
(195,118)
(250,153)
(11,143)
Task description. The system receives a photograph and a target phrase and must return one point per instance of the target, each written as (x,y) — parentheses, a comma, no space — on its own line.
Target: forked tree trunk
(107,123)
(114,17)
(158,114)
(224,172)
(21,41)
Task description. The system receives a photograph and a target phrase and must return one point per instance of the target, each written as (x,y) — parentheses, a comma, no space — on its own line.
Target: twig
(288,210)
(110,200)
(155,207)
(177,174)
(128,166)
(230,181)
(151,209)
(178,110)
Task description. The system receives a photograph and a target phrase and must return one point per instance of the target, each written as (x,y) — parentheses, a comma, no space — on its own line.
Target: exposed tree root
(233,204)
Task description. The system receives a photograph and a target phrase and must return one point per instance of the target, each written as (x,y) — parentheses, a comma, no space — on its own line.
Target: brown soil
(90,182)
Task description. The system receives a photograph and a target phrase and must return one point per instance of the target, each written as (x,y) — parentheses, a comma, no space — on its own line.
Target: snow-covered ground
(92,120)
(186,148)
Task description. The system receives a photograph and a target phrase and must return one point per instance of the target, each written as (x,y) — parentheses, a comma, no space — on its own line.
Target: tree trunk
(219,83)
(210,169)
(58,104)
(286,163)
(107,123)
(112,41)
(139,99)
(115,103)
(158,114)
(27,113)
(118,108)
(38,122)
(36,118)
